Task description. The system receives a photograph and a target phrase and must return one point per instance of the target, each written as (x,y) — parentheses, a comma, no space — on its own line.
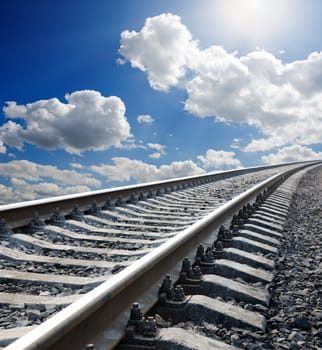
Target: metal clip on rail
(140,331)
(172,301)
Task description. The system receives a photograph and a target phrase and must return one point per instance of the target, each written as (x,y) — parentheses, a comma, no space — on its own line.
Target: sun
(252,20)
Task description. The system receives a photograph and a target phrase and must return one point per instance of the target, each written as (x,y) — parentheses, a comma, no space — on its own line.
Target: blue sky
(97,94)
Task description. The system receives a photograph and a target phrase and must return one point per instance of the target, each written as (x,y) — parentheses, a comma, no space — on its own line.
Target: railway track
(130,239)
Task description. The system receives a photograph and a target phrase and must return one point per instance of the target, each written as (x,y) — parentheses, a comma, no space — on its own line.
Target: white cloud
(219,159)
(76,165)
(7,195)
(3,149)
(145,118)
(159,148)
(20,190)
(155,155)
(236,143)
(88,121)
(33,172)
(265,144)
(161,49)
(125,169)
(284,101)
(292,154)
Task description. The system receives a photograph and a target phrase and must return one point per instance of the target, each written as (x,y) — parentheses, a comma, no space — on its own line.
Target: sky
(98,94)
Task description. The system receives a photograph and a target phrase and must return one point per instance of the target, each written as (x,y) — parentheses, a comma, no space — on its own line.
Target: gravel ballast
(295,317)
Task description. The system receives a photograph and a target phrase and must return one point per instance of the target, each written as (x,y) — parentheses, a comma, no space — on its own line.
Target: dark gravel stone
(302,323)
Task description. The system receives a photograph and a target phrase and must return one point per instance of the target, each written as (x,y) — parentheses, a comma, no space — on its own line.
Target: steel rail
(100,316)
(19,214)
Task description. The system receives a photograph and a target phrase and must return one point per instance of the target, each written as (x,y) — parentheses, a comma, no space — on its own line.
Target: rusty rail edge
(100,316)
(19,214)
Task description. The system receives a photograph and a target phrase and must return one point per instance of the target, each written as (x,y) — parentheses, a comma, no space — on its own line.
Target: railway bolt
(243,217)
(205,259)
(149,329)
(186,266)
(35,224)
(150,194)
(259,199)
(225,236)
(89,347)
(218,250)
(135,315)
(221,232)
(166,291)
(179,294)
(139,329)
(109,204)
(234,230)
(4,228)
(57,219)
(171,296)
(133,199)
(245,213)
(189,274)
(135,322)
(120,201)
(234,221)
(94,209)
(76,214)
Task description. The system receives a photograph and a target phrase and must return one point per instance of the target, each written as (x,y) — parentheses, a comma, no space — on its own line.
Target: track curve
(101,240)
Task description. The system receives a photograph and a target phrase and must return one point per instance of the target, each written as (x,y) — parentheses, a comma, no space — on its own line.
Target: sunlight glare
(253,20)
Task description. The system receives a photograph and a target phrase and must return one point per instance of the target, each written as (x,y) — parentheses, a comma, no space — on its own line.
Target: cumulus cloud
(155,155)
(157,147)
(292,153)
(219,159)
(88,121)
(76,165)
(20,191)
(161,49)
(284,101)
(125,169)
(29,181)
(145,118)
(33,172)
(3,149)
